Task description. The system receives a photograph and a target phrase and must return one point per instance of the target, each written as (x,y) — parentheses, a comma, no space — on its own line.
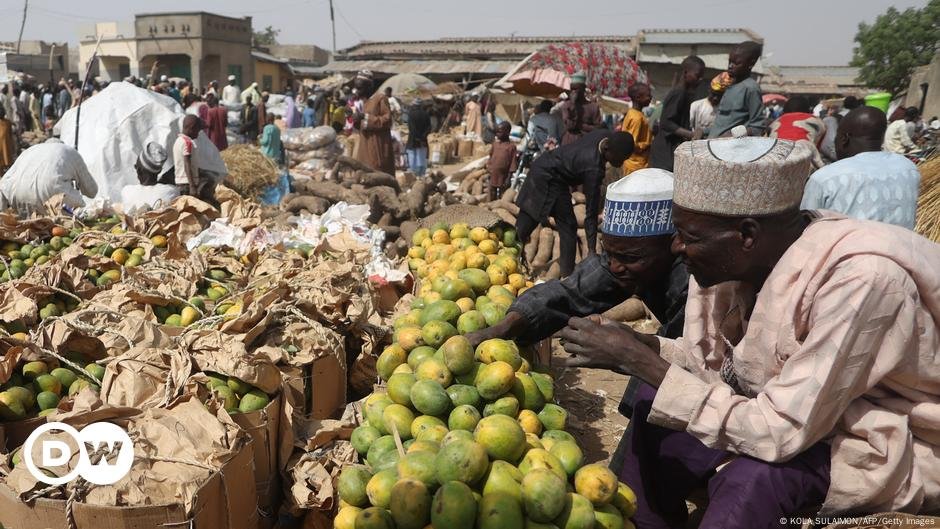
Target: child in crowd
(503,161)
(741,103)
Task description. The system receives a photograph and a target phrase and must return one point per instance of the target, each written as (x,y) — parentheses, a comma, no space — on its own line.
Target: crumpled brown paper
(197,442)
(226,354)
(12,228)
(184,218)
(313,472)
(146,377)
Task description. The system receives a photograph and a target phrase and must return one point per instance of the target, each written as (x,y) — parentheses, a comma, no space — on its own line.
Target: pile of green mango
(37,388)
(236,395)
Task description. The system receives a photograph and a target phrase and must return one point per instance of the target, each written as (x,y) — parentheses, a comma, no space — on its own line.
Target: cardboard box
(225,501)
(439,153)
(464,148)
(317,390)
(262,426)
(14,434)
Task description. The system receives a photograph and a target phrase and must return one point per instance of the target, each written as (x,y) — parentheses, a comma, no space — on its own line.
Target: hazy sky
(796,32)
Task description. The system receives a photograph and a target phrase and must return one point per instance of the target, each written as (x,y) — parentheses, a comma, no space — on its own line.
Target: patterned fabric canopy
(610,71)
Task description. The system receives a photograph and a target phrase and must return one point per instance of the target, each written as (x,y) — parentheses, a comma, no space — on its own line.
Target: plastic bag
(275,193)
(136,199)
(308,138)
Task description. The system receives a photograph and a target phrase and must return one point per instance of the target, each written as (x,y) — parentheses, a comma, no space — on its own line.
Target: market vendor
(150,163)
(807,372)
(375,126)
(43,171)
(636,236)
(547,189)
(189,179)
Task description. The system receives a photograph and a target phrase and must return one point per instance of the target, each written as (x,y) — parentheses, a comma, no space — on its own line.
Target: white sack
(137,199)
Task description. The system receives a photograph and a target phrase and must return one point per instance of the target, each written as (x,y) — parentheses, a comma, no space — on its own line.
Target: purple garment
(291,116)
(663,467)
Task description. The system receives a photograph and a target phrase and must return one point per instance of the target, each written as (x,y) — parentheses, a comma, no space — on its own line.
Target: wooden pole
(333,24)
(22,25)
(81,96)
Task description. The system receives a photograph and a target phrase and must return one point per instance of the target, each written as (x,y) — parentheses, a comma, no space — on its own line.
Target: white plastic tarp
(115,126)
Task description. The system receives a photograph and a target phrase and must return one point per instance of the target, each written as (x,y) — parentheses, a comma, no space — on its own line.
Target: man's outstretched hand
(600,343)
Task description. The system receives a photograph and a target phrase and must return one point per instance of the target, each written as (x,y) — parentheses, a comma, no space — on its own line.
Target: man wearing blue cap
(636,235)
(580,116)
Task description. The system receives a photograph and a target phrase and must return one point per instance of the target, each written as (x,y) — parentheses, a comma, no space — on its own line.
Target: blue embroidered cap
(639,205)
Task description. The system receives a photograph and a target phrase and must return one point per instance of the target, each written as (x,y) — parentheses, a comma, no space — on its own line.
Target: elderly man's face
(713,248)
(637,261)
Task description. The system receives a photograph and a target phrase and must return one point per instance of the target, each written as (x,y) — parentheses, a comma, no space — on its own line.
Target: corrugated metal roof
(483,47)
(494,68)
(814,80)
(697,36)
(262,56)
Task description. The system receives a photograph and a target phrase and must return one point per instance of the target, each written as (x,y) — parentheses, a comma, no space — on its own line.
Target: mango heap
(236,395)
(36,389)
(213,290)
(483,445)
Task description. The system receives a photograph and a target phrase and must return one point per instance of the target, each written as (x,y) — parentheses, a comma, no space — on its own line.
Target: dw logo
(102,437)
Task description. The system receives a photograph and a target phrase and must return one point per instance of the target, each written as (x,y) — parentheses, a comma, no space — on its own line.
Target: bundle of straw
(249,171)
(928,203)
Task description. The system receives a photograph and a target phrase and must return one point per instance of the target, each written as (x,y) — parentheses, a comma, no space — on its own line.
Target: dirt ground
(591,397)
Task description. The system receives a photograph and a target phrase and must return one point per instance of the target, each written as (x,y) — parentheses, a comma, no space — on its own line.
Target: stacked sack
(311,150)
(461,437)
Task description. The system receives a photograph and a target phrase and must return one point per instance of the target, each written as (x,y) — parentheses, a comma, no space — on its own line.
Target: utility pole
(22,25)
(332,23)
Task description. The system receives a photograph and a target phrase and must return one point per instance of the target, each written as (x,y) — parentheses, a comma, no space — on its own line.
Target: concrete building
(924,90)
(35,59)
(814,82)
(279,65)
(194,45)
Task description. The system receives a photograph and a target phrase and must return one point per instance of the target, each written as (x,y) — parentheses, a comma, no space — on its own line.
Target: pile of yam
(543,250)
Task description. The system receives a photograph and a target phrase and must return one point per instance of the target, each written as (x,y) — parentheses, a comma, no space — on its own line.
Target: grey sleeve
(590,289)
(755,110)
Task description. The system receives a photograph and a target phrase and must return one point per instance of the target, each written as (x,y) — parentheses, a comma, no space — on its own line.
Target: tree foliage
(265,37)
(888,50)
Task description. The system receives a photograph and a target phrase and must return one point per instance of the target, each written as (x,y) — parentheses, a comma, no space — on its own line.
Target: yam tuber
(314,205)
(630,310)
(509,196)
(477,188)
(580,212)
(546,243)
(505,216)
(554,271)
(372,179)
(578,197)
(508,206)
(532,247)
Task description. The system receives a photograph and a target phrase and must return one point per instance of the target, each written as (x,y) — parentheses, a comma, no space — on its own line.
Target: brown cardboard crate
(226,500)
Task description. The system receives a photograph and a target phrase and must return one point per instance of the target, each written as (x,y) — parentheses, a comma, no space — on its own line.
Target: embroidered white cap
(639,205)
